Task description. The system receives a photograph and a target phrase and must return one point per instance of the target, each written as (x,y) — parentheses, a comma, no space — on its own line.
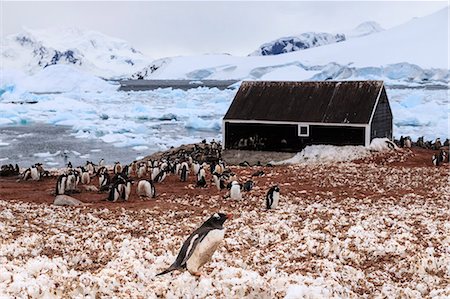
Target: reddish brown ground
(290,179)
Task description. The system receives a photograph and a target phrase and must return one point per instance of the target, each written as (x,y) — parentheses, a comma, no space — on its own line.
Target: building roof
(316,102)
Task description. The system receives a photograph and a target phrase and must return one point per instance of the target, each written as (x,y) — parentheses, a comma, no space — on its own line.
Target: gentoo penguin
(216,179)
(155,172)
(116,191)
(258,173)
(69,165)
(72,181)
(142,170)
(184,172)
(26,174)
(435,159)
(127,190)
(146,188)
(195,167)
(272,197)
(117,168)
(443,156)
(103,181)
(235,191)
(35,174)
(61,184)
(160,176)
(198,249)
(408,142)
(101,163)
(85,177)
(248,185)
(201,178)
(90,167)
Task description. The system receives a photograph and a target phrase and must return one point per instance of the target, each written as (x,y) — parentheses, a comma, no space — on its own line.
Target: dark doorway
(263,137)
(334,135)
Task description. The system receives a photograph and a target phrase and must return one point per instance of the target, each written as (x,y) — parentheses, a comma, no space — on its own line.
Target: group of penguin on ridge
(151,172)
(437,158)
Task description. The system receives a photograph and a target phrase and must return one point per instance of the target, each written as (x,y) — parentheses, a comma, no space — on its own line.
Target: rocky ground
(375,227)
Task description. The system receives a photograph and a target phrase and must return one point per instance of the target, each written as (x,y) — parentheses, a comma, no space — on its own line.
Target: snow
(332,241)
(91,51)
(56,78)
(363,29)
(412,52)
(332,154)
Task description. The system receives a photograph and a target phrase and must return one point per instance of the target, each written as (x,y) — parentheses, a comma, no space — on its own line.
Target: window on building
(303,130)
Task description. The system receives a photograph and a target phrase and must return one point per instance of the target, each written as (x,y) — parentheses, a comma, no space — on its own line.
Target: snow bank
(332,154)
(55,78)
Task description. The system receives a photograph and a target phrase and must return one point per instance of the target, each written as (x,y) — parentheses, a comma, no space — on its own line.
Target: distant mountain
(364,29)
(314,39)
(296,43)
(99,54)
(412,53)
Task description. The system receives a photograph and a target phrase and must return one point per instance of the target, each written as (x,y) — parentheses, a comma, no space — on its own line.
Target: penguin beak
(229,216)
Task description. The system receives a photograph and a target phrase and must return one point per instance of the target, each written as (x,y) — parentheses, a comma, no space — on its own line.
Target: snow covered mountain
(414,52)
(94,52)
(314,39)
(364,29)
(295,43)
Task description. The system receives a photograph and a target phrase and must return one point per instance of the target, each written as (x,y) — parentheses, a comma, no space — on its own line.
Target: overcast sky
(162,29)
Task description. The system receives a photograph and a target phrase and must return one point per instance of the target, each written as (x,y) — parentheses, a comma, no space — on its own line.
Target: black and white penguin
(161,176)
(104,181)
(273,197)
(442,156)
(184,172)
(235,191)
(201,178)
(90,167)
(72,181)
(435,159)
(127,190)
(116,191)
(101,163)
(117,168)
(146,188)
(26,174)
(61,184)
(35,174)
(248,185)
(85,176)
(69,165)
(216,179)
(199,247)
(142,170)
(258,173)
(155,172)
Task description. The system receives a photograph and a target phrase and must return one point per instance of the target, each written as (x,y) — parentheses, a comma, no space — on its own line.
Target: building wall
(381,125)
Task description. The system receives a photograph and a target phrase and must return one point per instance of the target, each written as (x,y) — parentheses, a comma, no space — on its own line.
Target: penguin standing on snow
(273,197)
(198,249)
(235,191)
(248,185)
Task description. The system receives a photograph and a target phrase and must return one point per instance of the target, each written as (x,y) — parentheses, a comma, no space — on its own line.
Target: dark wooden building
(287,116)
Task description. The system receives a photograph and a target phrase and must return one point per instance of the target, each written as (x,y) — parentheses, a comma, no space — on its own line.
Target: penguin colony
(117,182)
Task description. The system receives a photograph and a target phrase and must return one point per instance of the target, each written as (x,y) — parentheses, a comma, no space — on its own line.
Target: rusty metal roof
(320,102)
